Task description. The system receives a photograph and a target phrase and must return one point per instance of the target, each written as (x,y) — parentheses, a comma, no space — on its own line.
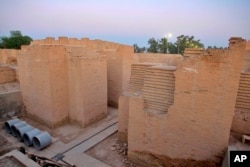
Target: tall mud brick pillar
(119,64)
(87,72)
(44,83)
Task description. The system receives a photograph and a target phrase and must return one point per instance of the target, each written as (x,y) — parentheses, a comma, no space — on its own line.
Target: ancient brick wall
(119,60)
(158,87)
(8,56)
(87,72)
(44,83)
(8,63)
(169,59)
(193,51)
(63,82)
(136,82)
(7,74)
(197,125)
(138,70)
(241,120)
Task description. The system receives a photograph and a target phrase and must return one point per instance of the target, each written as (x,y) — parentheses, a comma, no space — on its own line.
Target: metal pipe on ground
(7,124)
(22,130)
(42,140)
(14,127)
(28,136)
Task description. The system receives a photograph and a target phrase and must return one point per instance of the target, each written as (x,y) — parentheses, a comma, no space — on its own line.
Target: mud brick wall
(135,86)
(168,59)
(197,125)
(158,87)
(241,120)
(193,51)
(119,60)
(44,83)
(137,76)
(87,72)
(8,56)
(246,63)
(7,74)
(8,63)
(155,82)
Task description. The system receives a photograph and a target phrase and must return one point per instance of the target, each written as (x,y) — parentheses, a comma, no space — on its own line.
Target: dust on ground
(112,152)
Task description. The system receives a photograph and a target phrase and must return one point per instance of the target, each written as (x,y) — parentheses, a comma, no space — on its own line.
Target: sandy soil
(111,152)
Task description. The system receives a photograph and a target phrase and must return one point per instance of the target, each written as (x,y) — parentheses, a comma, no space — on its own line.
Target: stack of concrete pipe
(27,134)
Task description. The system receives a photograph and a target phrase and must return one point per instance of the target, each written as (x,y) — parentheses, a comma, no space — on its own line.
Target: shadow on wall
(11,104)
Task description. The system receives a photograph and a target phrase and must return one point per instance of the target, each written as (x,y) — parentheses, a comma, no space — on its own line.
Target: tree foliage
(15,41)
(153,45)
(185,41)
(164,46)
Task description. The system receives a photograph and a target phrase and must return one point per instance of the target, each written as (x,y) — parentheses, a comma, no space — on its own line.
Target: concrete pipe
(22,130)
(7,124)
(28,136)
(15,126)
(42,140)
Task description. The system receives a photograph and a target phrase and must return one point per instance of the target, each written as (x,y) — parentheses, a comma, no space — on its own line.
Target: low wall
(10,104)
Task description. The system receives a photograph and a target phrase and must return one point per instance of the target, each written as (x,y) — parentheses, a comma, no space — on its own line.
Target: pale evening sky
(128,21)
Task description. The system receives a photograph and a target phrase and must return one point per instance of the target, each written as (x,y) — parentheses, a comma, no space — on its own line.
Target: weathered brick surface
(138,71)
(197,125)
(158,87)
(141,61)
(63,82)
(7,74)
(241,120)
(167,59)
(123,117)
(119,60)
(8,63)
(87,72)
(8,56)
(44,83)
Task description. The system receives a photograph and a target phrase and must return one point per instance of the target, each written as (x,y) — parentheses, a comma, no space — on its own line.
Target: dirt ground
(5,145)
(10,162)
(111,152)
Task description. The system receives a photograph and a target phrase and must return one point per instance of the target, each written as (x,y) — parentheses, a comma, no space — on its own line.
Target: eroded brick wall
(197,125)
(138,70)
(241,120)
